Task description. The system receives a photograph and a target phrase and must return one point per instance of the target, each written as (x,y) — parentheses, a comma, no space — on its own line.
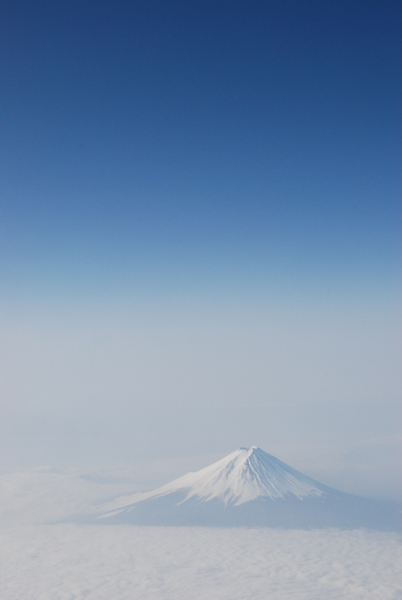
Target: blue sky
(178,162)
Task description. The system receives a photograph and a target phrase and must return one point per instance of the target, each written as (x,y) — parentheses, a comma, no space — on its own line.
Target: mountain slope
(250,488)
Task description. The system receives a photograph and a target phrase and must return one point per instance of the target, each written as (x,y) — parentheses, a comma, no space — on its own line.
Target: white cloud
(95,562)
(60,562)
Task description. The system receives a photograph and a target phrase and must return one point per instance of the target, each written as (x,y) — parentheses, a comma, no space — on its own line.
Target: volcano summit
(251,488)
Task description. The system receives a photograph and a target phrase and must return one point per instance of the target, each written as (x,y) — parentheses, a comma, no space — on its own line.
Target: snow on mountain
(243,475)
(251,488)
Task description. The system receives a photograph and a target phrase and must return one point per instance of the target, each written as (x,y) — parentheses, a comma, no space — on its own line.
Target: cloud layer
(93,562)
(62,562)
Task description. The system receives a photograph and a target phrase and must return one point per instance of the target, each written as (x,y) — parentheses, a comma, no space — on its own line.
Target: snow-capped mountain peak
(243,475)
(250,488)
(247,474)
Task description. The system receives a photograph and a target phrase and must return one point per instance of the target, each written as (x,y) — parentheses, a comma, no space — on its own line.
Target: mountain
(251,488)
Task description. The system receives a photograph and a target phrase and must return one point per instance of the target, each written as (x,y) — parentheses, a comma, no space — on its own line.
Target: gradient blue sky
(195,185)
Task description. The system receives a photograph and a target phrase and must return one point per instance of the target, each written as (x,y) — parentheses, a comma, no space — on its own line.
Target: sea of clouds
(44,559)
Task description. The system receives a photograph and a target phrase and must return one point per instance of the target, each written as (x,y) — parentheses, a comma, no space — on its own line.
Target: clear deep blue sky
(216,187)
(141,134)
